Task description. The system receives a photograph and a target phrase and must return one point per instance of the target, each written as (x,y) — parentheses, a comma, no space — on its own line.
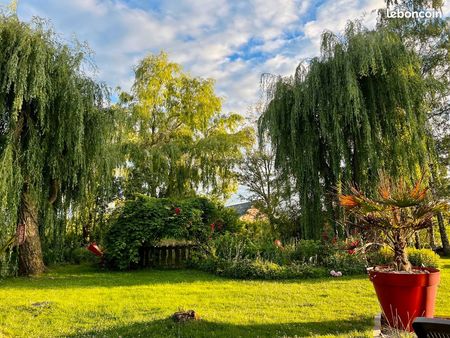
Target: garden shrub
(305,250)
(145,220)
(236,246)
(240,245)
(348,264)
(382,256)
(267,250)
(423,257)
(256,269)
(233,246)
(239,256)
(82,255)
(227,219)
(257,228)
(417,257)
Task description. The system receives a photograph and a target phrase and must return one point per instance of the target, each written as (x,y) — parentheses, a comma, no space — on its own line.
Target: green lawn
(86,303)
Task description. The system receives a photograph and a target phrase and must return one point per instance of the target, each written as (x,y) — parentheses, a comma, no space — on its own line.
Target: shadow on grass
(96,279)
(87,277)
(168,328)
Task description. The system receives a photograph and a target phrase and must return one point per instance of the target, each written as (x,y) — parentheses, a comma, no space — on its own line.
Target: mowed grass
(78,301)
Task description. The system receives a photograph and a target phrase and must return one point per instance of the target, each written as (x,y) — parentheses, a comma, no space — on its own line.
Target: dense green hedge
(417,257)
(145,220)
(257,269)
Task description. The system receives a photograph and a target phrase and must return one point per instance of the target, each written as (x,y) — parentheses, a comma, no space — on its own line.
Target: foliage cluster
(145,220)
(178,140)
(257,269)
(62,144)
(417,257)
(56,133)
(237,246)
(330,121)
(270,191)
(80,255)
(398,210)
(242,255)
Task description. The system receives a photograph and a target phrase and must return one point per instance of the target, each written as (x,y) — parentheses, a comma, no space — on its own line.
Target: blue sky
(233,42)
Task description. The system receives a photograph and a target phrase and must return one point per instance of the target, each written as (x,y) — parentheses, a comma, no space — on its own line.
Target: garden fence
(165,255)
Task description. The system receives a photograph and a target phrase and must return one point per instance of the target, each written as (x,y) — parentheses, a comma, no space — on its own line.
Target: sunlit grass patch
(78,301)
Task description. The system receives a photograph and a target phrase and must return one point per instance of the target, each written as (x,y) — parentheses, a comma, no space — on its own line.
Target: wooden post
(178,256)
(170,255)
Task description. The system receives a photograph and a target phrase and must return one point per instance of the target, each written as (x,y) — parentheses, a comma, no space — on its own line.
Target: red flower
(212,227)
(351,251)
(354,244)
(177,211)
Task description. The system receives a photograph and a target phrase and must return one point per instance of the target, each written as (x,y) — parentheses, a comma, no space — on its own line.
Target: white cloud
(202,35)
(333,15)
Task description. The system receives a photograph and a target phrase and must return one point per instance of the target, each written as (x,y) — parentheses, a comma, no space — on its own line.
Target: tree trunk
(417,244)
(444,237)
(400,256)
(431,238)
(30,252)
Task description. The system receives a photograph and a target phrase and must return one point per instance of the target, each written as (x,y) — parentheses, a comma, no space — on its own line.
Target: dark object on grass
(431,327)
(42,304)
(184,316)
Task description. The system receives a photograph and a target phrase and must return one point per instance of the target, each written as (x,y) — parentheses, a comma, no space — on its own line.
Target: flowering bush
(352,246)
(144,221)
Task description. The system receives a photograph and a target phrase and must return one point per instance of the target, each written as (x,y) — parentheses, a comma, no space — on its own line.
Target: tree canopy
(357,109)
(53,135)
(179,141)
(429,38)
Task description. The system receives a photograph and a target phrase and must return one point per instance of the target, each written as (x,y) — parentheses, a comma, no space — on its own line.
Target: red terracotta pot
(405,296)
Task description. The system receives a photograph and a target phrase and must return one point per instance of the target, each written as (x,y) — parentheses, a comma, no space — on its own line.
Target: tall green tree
(179,142)
(53,132)
(430,39)
(270,191)
(358,109)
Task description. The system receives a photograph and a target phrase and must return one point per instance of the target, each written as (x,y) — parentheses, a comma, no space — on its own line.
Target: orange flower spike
(384,192)
(422,194)
(415,192)
(348,201)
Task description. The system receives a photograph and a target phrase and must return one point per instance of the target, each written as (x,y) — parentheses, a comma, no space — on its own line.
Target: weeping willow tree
(53,130)
(358,109)
(179,142)
(429,37)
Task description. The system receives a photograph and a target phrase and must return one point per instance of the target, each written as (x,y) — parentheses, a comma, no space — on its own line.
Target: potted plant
(397,211)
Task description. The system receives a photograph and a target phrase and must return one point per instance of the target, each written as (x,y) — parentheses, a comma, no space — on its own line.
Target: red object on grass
(177,211)
(93,247)
(405,296)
